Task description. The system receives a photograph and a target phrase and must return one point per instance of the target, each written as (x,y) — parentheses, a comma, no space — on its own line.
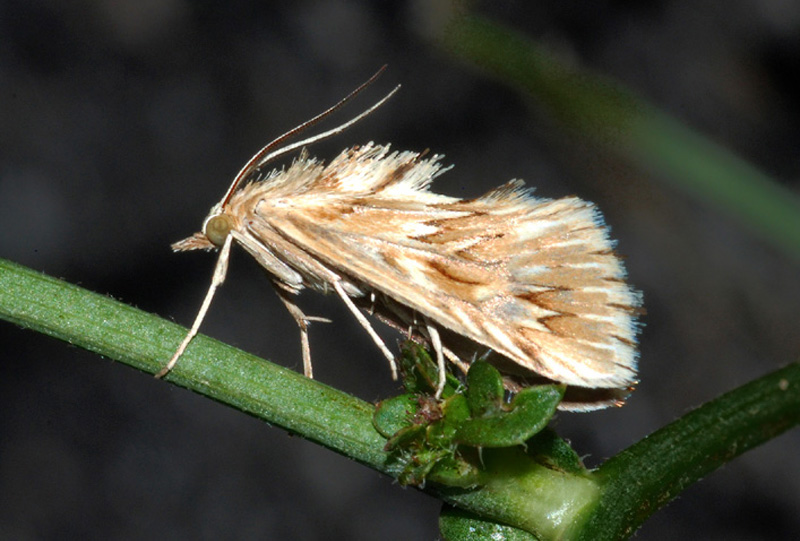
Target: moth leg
(220,271)
(436,342)
(337,285)
(413,325)
(302,321)
(453,358)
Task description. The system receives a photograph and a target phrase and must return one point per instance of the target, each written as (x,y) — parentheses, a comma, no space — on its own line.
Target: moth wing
(535,280)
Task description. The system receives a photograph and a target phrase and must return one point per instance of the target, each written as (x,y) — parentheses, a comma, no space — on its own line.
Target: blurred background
(123,121)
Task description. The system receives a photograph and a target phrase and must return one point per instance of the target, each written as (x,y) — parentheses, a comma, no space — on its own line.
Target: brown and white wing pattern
(535,280)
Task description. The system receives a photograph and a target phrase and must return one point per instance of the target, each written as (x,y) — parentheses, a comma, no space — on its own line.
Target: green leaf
(529,412)
(485,390)
(548,449)
(419,372)
(395,414)
(455,411)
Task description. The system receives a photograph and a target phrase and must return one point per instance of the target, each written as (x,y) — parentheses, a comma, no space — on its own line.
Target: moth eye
(217,229)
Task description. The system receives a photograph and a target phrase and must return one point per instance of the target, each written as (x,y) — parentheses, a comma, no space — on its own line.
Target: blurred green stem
(602,110)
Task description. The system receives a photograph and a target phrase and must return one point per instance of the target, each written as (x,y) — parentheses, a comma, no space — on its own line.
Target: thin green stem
(117,331)
(513,489)
(646,476)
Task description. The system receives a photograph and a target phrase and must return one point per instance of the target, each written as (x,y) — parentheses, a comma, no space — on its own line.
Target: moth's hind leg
(302,321)
(436,343)
(337,285)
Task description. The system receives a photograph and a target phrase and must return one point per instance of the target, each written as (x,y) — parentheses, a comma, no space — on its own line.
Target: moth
(532,284)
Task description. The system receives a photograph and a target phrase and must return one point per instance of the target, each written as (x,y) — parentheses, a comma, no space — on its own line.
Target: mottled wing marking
(534,279)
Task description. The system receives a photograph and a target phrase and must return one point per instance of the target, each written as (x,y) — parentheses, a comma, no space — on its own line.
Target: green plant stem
(650,473)
(604,111)
(520,492)
(275,394)
(514,489)
(115,330)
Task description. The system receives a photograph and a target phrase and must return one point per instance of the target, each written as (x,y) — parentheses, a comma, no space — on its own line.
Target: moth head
(217,227)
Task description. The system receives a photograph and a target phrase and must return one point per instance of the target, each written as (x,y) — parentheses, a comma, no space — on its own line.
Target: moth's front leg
(220,270)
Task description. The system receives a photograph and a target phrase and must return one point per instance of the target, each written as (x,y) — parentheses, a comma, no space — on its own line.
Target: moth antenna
(266,154)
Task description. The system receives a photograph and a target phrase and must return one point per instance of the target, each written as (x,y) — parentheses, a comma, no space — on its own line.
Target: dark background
(122,122)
